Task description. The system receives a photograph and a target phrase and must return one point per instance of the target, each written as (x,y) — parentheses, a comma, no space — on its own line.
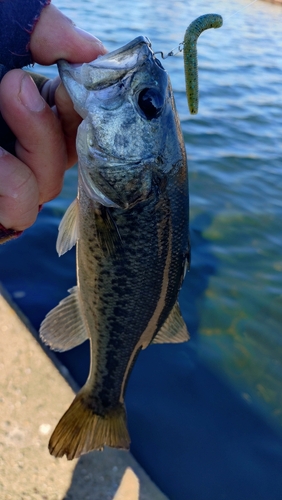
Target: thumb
(56,37)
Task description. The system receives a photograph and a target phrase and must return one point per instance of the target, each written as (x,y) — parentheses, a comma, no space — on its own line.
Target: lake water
(205,417)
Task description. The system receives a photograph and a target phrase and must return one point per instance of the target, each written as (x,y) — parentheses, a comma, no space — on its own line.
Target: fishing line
(240,10)
(180,46)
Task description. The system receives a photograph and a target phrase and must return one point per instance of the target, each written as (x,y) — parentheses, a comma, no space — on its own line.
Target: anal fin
(63,328)
(174,329)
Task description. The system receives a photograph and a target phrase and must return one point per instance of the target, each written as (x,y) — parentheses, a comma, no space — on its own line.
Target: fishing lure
(192,34)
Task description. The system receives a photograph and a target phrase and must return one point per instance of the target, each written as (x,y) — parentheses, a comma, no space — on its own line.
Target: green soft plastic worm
(192,34)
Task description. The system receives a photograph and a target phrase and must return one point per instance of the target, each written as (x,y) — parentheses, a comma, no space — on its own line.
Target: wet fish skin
(130,224)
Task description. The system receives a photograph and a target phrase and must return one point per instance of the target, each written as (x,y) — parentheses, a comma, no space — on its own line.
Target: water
(205,418)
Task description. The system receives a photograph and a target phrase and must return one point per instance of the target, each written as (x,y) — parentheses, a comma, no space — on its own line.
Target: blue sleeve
(18,19)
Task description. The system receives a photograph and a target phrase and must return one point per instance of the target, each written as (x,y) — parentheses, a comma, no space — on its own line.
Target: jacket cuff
(8,234)
(18,20)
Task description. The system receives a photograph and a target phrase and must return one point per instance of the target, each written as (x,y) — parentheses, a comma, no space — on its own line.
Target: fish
(130,225)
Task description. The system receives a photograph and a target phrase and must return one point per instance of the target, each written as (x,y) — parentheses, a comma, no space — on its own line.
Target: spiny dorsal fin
(173,330)
(63,328)
(80,430)
(68,229)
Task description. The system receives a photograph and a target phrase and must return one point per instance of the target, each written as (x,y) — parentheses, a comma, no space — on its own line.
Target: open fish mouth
(106,73)
(118,63)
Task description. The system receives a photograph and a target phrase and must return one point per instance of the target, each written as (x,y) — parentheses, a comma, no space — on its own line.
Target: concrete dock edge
(35,392)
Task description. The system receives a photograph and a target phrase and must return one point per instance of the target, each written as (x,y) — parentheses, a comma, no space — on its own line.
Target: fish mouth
(124,56)
(123,51)
(109,68)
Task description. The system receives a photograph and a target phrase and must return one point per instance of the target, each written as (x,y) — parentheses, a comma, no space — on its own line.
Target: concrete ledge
(33,397)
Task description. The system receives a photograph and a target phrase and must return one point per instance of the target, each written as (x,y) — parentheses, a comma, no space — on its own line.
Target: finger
(19,197)
(56,37)
(70,120)
(48,90)
(57,97)
(40,141)
(55,94)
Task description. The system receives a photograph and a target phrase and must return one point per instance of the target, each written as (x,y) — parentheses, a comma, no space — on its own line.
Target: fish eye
(150,102)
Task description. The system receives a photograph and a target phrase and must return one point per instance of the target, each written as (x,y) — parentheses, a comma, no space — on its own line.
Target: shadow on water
(195,436)
(203,265)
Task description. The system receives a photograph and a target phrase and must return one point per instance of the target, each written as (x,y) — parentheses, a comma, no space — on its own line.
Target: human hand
(45,127)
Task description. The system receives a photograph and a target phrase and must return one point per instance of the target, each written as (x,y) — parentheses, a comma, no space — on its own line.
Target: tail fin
(80,430)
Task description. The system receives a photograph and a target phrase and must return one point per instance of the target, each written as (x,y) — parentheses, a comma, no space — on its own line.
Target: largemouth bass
(130,226)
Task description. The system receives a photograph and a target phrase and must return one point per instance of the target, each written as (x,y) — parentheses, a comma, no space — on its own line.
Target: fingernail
(3,152)
(29,95)
(87,36)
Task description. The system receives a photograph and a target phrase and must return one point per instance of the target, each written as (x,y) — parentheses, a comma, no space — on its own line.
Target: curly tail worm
(192,34)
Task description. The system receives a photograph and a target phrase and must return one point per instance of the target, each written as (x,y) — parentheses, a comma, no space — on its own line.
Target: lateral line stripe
(147,335)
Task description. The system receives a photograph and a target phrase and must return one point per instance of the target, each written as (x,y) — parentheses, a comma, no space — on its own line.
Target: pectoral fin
(63,327)
(68,229)
(173,330)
